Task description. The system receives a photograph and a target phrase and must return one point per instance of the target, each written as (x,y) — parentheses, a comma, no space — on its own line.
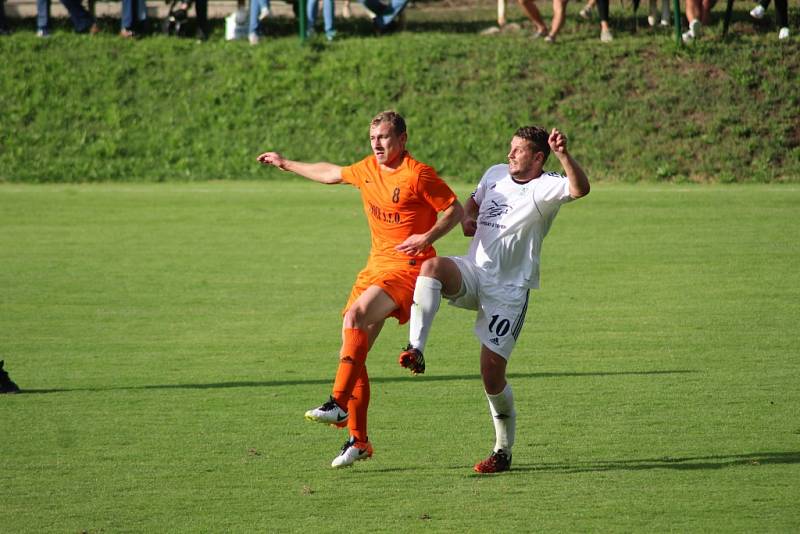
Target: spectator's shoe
(695,30)
(491,30)
(538,34)
(783,33)
(651,20)
(353,451)
(550,39)
(496,463)
(126,33)
(329,413)
(606,36)
(586,12)
(6,384)
(254,38)
(94,29)
(201,34)
(664,23)
(42,34)
(758,12)
(5,31)
(413,360)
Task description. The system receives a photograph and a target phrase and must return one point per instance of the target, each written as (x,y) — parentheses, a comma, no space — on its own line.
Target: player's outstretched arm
(322,172)
(578,181)
(418,243)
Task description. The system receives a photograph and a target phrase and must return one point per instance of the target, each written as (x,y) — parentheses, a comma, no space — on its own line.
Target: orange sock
(351,363)
(357,407)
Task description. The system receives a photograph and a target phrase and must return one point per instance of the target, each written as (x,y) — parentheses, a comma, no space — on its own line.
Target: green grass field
(169,338)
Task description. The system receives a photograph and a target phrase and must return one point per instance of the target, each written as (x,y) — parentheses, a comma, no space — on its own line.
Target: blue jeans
(327,15)
(133,12)
(385,14)
(81,19)
(255,10)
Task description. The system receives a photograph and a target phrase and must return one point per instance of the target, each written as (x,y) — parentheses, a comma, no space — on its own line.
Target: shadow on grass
(689,463)
(329,381)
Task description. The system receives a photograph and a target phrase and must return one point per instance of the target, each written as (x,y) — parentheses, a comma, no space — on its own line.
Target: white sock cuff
(503,402)
(426,282)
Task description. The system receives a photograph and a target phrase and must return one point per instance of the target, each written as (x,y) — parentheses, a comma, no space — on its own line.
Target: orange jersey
(398,204)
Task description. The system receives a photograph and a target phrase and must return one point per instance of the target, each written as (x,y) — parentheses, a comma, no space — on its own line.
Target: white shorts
(501,309)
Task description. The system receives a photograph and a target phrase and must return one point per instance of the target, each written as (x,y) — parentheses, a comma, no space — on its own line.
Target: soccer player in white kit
(508,216)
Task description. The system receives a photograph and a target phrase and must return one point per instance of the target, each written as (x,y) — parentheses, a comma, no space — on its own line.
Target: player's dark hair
(392,117)
(537,137)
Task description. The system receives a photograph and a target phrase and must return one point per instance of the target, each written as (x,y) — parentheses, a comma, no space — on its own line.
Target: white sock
(427,295)
(504,417)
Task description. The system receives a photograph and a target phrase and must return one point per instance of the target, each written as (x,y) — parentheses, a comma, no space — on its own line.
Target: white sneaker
(253,38)
(758,12)
(651,20)
(695,30)
(329,413)
(606,36)
(783,33)
(352,451)
(664,23)
(263,13)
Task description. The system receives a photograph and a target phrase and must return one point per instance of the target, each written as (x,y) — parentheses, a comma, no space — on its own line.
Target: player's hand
(557,142)
(469,227)
(272,158)
(414,245)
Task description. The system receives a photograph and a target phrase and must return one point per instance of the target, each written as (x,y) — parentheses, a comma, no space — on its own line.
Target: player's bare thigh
(371,307)
(446,271)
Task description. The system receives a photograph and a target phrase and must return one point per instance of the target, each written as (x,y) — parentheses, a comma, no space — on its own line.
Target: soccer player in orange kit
(402,201)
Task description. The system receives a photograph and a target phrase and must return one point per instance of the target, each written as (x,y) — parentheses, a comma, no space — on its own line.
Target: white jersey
(513,219)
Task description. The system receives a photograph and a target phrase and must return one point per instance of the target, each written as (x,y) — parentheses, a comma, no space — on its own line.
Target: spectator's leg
(201,10)
(782,13)
(43,15)
(381,11)
(312,8)
(141,11)
(327,15)
(559,11)
(532,12)
(82,20)
(126,23)
(705,14)
(501,13)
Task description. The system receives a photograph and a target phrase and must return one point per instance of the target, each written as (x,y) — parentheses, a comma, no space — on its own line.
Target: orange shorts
(398,283)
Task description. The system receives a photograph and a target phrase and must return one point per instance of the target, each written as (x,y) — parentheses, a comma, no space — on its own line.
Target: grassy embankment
(80,109)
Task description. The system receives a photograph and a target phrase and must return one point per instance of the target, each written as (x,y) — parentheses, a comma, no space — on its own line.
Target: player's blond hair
(392,117)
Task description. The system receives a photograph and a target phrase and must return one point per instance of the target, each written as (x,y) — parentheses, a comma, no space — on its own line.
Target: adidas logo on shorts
(495,340)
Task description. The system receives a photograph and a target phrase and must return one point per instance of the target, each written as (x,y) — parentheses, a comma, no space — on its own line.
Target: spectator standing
(312,8)
(559,15)
(259,11)
(781,14)
(82,20)
(134,15)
